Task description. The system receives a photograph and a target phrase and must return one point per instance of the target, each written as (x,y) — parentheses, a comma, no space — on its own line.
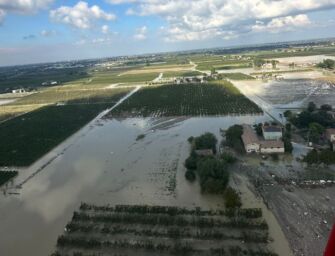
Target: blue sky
(33,31)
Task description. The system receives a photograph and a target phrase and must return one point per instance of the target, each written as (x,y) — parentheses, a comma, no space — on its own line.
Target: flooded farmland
(104,164)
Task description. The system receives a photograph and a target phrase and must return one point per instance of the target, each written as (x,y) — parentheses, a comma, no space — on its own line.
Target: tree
(233,137)
(213,175)
(259,62)
(206,141)
(326,107)
(232,198)
(274,64)
(190,175)
(258,129)
(288,114)
(191,161)
(288,145)
(315,131)
(327,64)
(311,106)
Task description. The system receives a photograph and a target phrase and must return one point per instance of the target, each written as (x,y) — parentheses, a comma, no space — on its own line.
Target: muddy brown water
(104,164)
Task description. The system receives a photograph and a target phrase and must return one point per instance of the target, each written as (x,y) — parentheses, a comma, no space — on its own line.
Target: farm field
(181,73)
(26,138)
(225,64)
(107,78)
(216,98)
(64,95)
(159,230)
(237,76)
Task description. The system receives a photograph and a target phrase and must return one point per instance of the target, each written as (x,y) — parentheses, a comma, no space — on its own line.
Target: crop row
(173,210)
(165,220)
(174,233)
(177,248)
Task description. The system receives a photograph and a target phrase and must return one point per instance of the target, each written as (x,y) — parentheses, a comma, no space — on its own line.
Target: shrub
(232,198)
(228,158)
(190,175)
(213,175)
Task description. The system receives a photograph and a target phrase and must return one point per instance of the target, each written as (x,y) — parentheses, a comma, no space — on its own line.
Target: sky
(35,31)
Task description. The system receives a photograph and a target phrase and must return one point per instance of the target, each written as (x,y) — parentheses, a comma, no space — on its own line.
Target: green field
(63,94)
(224,65)
(236,76)
(107,78)
(181,73)
(216,98)
(26,138)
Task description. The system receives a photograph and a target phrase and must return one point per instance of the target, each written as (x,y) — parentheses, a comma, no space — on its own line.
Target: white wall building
(272,146)
(330,134)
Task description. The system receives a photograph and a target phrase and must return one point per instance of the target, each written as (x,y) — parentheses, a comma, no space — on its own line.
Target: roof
(249,136)
(271,128)
(272,144)
(330,131)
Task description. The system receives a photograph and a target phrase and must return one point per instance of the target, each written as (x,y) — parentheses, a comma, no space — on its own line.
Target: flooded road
(104,164)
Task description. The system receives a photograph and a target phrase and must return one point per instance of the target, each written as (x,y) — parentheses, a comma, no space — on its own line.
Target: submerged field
(26,138)
(219,98)
(159,230)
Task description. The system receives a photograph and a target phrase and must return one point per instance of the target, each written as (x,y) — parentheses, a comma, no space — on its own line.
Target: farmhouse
(18,91)
(250,140)
(272,146)
(272,132)
(330,134)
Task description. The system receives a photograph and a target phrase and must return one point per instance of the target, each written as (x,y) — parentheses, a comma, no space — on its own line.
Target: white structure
(330,134)
(250,140)
(272,146)
(271,132)
(268,146)
(18,91)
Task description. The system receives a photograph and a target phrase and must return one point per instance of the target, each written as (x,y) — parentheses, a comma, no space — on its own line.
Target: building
(330,134)
(250,140)
(272,132)
(272,146)
(18,91)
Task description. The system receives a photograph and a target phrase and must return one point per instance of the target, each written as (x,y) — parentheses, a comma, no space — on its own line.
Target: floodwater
(104,164)
(275,97)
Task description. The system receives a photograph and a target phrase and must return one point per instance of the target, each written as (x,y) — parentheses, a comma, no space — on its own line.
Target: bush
(191,161)
(190,175)
(274,157)
(206,141)
(228,158)
(213,175)
(232,198)
(233,138)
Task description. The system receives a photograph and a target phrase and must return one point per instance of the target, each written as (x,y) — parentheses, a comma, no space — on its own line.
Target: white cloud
(2,16)
(121,1)
(202,19)
(100,40)
(24,6)
(141,33)
(81,15)
(282,24)
(47,33)
(21,6)
(105,29)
